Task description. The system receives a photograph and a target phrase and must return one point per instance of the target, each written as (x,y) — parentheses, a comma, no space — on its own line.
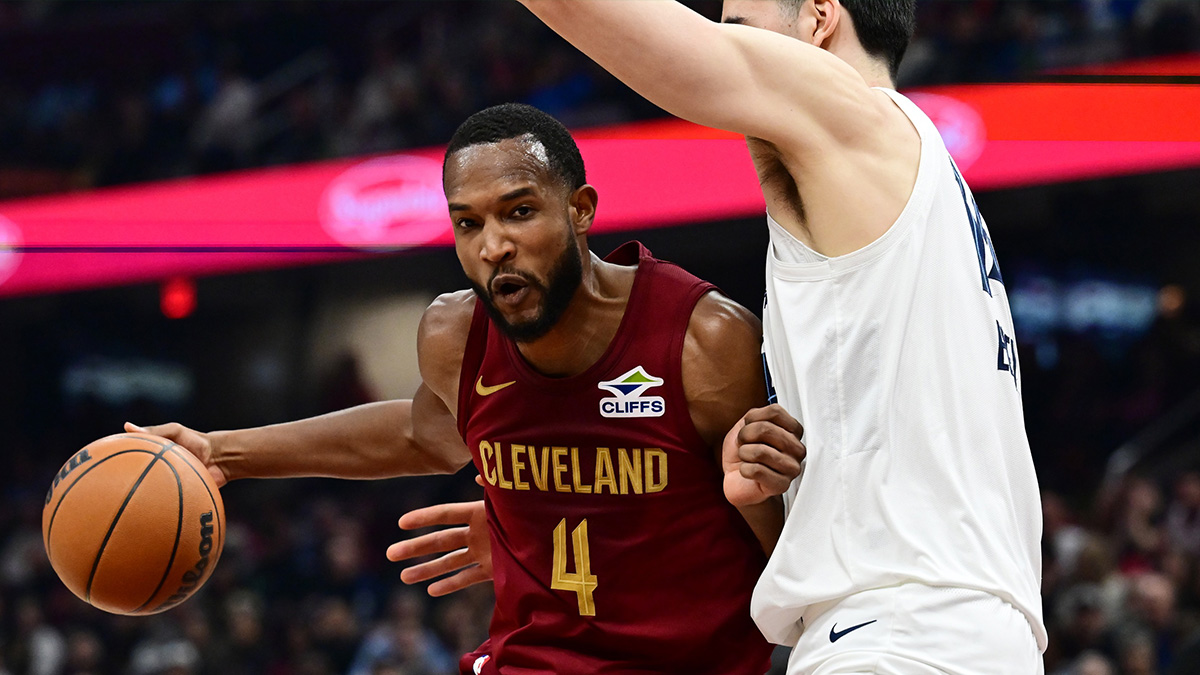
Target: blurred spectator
(386,102)
(1183,514)
(36,647)
(1139,535)
(403,640)
(224,133)
(1151,614)
(1061,532)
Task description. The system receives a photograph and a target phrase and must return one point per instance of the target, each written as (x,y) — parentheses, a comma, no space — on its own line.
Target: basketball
(133,524)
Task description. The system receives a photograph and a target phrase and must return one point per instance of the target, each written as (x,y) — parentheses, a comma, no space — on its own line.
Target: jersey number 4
(582,582)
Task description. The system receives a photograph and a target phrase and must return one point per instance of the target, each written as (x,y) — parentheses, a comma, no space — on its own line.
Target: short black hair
(884,27)
(514,120)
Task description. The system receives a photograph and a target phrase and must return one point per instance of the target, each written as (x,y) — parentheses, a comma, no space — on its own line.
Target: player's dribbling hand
(195,442)
(762,455)
(468,549)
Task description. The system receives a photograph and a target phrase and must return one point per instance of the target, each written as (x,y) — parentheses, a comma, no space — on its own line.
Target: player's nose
(498,246)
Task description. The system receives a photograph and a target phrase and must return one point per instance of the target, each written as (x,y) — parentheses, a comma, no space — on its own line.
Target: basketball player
(912,544)
(594,397)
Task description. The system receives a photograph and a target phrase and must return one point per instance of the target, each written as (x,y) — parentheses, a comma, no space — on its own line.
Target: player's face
(779,16)
(514,235)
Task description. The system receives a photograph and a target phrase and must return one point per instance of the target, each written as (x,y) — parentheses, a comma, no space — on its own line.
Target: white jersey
(900,362)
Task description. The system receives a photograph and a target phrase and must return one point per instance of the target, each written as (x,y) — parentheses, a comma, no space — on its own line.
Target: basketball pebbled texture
(133,524)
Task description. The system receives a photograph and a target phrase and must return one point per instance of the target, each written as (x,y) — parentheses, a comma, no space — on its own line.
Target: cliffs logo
(961,127)
(386,203)
(10,253)
(629,401)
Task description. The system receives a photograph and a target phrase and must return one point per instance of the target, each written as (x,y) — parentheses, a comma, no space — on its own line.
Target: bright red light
(177,298)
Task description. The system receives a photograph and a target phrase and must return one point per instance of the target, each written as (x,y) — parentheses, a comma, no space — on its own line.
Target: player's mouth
(509,290)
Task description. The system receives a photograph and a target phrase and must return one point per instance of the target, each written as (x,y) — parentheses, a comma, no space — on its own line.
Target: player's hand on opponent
(467,549)
(196,442)
(762,455)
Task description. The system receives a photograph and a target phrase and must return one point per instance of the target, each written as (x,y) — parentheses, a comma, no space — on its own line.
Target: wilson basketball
(133,524)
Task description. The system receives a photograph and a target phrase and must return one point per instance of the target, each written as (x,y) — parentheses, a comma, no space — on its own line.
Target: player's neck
(588,325)
(873,70)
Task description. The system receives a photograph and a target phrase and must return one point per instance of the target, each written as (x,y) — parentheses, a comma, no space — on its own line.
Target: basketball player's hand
(195,442)
(467,549)
(762,455)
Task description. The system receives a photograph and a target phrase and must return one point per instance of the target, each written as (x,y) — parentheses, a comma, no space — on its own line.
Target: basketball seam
(216,511)
(113,525)
(178,533)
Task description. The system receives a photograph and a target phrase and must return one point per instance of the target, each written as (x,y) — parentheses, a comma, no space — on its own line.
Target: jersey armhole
(472,360)
(686,308)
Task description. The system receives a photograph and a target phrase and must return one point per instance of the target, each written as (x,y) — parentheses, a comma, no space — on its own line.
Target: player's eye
(523,211)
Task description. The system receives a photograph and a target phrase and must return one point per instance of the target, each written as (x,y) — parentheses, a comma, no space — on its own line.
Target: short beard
(564,279)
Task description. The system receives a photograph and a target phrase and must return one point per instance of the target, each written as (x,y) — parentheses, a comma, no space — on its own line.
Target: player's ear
(828,14)
(582,205)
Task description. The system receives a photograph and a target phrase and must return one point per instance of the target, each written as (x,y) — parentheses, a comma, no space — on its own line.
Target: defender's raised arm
(734,76)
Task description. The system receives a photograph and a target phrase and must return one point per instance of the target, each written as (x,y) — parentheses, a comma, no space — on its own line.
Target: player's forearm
(766,521)
(368,441)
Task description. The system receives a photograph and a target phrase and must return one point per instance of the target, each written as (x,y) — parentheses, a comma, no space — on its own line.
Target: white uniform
(900,362)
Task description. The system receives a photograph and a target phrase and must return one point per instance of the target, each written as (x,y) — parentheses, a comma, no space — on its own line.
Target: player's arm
(723,379)
(376,440)
(734,77)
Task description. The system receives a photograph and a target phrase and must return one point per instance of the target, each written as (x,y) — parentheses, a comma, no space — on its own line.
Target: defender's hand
(467,549)
(196,442)
(762,455)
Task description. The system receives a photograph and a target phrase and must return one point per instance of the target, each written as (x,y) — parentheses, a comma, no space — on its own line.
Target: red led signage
(652,174)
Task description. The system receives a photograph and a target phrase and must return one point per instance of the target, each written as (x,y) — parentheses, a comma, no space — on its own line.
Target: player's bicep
(441,343)
(722,371)
(747,80)
(784,91)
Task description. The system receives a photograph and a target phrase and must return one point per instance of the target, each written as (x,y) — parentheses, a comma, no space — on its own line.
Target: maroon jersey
(613,547)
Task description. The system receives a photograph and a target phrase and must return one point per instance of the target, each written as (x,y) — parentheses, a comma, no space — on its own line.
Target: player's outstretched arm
(466,549)
(376,440)
(734,77)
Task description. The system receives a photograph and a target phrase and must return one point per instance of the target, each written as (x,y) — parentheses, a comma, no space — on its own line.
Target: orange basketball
(133,524)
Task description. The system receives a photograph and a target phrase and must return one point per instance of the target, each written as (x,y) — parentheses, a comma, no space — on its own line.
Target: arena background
(1093,205)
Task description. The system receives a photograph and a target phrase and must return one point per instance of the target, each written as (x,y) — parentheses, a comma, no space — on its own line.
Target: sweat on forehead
(521,155)
(551,143)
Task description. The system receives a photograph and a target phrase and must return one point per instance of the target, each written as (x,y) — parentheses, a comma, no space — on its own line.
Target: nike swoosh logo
(835,634)
(488,391)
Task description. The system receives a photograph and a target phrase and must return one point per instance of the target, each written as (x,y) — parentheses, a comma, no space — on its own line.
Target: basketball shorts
(912,629)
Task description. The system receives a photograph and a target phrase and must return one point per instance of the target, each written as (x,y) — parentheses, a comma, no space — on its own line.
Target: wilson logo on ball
(72,464)
(192,577)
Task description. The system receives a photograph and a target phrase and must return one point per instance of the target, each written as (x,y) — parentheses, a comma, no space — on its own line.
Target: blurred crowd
(117,91)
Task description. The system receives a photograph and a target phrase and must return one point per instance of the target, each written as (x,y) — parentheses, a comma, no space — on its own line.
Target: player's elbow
(439,459)
(448,465)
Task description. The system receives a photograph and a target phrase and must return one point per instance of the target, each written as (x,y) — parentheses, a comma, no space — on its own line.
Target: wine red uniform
(613,547)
